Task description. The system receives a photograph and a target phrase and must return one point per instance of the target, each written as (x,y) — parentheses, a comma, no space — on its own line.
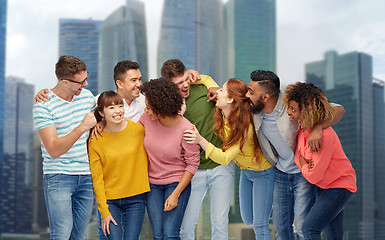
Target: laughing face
(183,84)
(130,85)
(113,114)
(293,111)
(255,94)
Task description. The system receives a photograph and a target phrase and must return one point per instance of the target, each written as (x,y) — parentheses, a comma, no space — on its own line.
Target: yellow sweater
(245,160)
(118,163)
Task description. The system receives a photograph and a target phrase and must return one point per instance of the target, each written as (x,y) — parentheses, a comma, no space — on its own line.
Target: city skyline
(305,30)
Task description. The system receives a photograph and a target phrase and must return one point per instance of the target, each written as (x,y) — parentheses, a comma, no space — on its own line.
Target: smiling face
(149,111)
(113,114)
(130,85)
(183,84)
(293,111)
(223,99)
(78,81)
(255,94)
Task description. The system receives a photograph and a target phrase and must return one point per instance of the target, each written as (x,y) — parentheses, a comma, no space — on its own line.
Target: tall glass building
(193,31)
(379,160)
(347,79)
(251,28)
(80,38)
(122,37)
(3,27)
(16,170)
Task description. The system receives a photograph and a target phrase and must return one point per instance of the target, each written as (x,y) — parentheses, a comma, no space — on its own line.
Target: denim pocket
(51,176)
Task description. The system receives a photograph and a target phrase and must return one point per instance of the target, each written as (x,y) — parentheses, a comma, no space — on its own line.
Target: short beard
(258,107)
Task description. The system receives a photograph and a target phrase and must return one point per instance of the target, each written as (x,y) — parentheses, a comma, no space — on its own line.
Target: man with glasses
(63,123)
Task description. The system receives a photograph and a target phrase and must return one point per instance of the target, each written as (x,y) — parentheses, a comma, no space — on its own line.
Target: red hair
(239,120)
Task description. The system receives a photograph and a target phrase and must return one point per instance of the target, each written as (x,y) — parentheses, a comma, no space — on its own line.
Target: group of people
(164,144)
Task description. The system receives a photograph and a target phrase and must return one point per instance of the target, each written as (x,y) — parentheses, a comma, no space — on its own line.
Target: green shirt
(200,113)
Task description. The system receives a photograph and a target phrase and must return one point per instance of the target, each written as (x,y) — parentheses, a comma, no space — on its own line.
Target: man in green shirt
(212,177)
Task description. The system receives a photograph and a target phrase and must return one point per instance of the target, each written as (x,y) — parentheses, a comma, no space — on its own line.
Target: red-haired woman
(234,125)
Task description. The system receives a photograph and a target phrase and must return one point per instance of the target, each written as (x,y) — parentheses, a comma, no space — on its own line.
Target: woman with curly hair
(234,125)
(172,162)
(329,169)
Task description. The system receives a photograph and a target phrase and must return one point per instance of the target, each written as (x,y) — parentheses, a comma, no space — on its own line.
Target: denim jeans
(292,199)
(166,224)
(219,181)
(256,200)
(69,201)
(129,214)
(327,211)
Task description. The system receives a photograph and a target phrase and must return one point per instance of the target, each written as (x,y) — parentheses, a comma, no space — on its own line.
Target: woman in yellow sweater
(118,163)
(234,125)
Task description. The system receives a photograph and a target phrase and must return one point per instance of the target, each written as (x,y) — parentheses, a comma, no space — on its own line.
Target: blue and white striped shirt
(66,116)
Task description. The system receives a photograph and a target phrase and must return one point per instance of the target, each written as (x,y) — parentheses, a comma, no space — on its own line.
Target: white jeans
(219,181)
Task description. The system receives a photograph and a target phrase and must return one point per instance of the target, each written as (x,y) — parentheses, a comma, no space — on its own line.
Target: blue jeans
(219,181)
(69,201)
(166,224)
(256,200)
(128,213)
(292,199)
(327,211)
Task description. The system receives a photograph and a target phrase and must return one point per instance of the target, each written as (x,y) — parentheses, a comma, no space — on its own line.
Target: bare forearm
(185,180)
(203,142)
(338,113)
(59,146)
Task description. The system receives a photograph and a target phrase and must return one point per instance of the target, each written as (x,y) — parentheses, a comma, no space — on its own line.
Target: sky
(306,29)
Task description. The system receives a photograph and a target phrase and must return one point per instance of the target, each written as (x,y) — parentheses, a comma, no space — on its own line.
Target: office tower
(251,28)
(3,27)
(122,37)
(379,160)
(193,31)
(16,170)
(80,38)
(39,212)
(347,79)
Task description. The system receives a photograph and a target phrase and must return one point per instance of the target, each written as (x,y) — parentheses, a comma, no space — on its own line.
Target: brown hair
(68,66)
(121,69)
(240,118)
(172,68)
(106,99)
(313,104)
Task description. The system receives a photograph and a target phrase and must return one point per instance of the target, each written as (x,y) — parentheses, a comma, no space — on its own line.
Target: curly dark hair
(312,103)
(163,97)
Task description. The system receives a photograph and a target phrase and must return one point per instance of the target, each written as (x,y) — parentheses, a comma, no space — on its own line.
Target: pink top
(332,169)
(169,155)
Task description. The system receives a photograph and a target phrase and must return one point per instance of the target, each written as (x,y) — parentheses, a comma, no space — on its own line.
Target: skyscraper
(3,24)
(347,79)
(16,170)
(80,38)
(122,37)
(193,31)
(251,27)
(379,160)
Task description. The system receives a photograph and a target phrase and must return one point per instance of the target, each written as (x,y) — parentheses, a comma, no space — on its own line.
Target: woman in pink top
(172,161)
(329,169)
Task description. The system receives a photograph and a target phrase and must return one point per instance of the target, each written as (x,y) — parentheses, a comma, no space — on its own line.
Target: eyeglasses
(81,83)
